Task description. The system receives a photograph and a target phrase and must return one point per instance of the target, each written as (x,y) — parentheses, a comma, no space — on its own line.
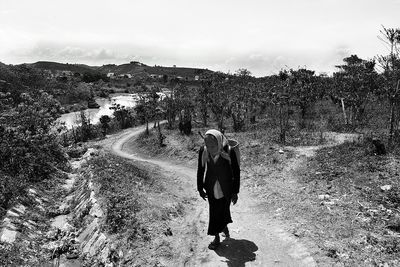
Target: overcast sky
(263,36)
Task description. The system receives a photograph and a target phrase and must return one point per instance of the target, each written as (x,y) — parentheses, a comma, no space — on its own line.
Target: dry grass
(357,226)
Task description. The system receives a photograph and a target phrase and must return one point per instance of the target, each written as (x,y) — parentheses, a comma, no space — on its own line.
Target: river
(72,119)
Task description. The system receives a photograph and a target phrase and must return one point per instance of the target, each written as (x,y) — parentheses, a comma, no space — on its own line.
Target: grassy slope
(138,209)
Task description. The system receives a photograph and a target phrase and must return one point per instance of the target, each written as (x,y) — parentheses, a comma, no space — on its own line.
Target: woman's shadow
(237,251)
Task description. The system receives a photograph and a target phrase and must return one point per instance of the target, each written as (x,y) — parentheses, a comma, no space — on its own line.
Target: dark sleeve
(200,171)
(235,171)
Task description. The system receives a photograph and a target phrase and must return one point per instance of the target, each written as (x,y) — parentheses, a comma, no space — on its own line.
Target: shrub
(29,149)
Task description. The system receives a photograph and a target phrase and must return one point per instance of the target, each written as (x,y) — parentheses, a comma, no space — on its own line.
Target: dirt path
(256,239)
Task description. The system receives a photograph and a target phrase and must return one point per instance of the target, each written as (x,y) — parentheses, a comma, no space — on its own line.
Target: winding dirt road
(256,239)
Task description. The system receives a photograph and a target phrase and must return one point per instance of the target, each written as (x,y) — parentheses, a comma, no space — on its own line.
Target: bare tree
(391,74)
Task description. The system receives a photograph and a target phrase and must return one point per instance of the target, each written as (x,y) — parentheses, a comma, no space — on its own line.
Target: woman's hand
(203,194)
(234,198)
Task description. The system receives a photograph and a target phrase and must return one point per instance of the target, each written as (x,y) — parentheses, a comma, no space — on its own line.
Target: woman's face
(211,144)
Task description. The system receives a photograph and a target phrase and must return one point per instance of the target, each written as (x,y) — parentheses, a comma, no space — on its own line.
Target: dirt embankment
(44,227)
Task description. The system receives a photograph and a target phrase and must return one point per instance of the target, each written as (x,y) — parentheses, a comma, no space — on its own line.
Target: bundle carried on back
(234,145)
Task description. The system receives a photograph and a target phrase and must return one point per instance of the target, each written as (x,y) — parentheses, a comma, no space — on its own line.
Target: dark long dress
(228,176)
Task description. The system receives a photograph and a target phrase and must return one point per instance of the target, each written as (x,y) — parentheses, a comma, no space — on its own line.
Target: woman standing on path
(221,182)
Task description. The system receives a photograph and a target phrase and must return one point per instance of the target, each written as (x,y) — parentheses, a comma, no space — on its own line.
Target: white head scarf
(222,142)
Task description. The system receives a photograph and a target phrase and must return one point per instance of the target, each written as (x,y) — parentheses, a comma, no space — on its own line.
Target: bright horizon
(223,35)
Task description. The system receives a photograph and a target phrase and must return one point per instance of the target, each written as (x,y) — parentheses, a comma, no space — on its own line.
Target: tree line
(241,97)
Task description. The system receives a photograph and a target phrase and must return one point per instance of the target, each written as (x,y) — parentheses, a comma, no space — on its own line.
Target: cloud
(342,51)
(259,62)
(70,53)
(263,63)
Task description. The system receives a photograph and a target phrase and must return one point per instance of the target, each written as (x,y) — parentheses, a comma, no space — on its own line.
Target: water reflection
(73,118)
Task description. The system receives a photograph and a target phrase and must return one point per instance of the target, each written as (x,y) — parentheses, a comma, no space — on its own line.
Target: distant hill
(177,71)
(134,68)
(55,66)
(129,68)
